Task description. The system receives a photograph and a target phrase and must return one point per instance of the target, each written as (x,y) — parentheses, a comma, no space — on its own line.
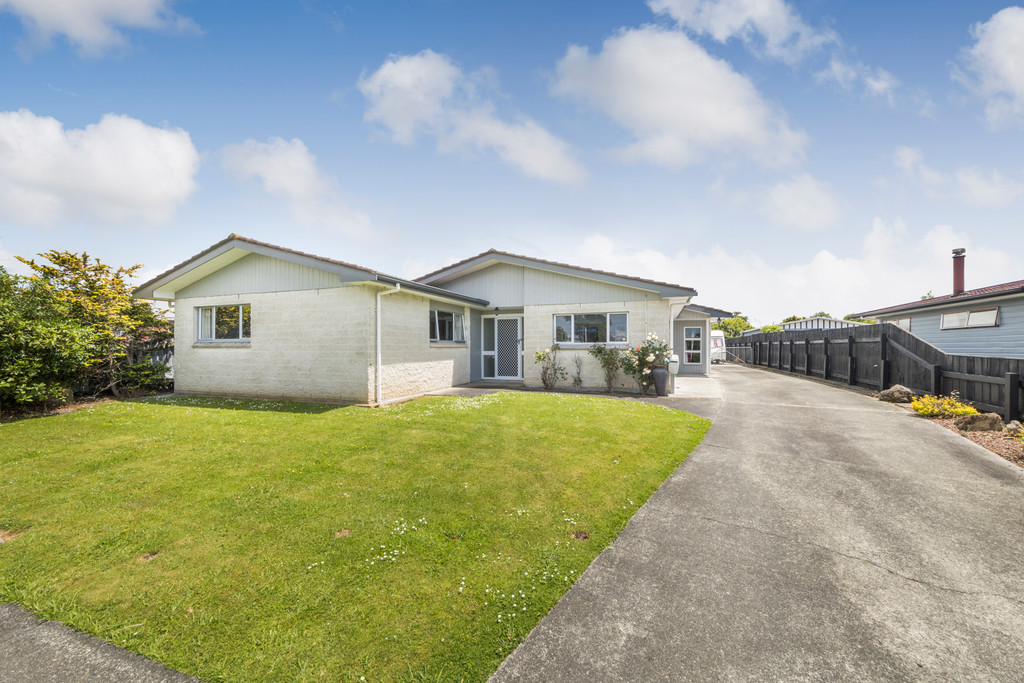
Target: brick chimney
(958,271)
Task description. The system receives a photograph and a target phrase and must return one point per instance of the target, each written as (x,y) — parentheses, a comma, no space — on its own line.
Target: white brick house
(254,319)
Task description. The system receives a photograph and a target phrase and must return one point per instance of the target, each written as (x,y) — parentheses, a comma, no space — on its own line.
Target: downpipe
(377,370)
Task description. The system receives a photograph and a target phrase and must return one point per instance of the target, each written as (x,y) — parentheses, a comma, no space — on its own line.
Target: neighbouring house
(255,319)
(987,321)
(817,322)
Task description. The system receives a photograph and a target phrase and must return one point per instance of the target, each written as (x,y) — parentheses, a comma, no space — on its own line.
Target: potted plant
(648,364)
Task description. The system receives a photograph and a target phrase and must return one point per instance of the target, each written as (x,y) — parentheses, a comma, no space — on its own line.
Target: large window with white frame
(591,328)
(447,327)
(224,323)
(986,317)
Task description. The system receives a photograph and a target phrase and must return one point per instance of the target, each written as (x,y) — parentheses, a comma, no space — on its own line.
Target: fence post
(852,366)
(807,356)
(828,364)
(791,355)
(936,371)
(780,354)
(1012,396)
(883,365)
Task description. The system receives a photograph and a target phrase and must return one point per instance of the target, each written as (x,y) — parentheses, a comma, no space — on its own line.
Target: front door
(508,354)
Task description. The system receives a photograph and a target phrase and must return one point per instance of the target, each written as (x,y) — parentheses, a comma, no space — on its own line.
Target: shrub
(639,363)
(577,377)
(550,370)
(941,406)
(610,360)
(43,350)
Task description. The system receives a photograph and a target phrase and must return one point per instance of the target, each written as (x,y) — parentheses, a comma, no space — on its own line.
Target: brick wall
(538,334)
(309,345)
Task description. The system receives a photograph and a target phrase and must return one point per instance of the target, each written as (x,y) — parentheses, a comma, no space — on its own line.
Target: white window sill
(447,345)
(587,345)
(221,344)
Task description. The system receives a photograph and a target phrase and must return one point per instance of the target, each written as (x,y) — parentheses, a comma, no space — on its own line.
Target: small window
(902,323)
(591,328)
(225,323)
(987,317)
(982,318)
(447,327)
(692,345)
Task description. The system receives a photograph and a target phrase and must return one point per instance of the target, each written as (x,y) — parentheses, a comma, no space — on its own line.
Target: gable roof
(708,310)
(235,247)
(492,256)
(970,295)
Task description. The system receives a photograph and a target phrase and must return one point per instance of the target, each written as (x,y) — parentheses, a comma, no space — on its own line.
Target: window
(902,323)
(225,323)
(591,328)
(447,327)
(983,318)
(692,345)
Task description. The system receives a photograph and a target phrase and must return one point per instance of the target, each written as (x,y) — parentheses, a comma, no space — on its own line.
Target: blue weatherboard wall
(1003,341)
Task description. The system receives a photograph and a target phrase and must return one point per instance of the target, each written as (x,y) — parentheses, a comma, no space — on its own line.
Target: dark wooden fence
(879,356)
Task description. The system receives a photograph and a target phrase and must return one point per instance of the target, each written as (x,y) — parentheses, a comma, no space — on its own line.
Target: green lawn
(247,540)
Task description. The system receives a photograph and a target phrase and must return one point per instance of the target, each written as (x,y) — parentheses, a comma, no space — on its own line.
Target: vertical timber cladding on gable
(511,286)
(259,273)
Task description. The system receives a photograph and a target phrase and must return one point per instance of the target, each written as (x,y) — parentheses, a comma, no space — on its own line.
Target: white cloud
(679,102)
(893,267)
(772,27)
(911,162)
(873,81)
(407,94)
(111,171)
(802,202)
(427,94)
(11,264)
(990,188)
(91,25)
(287,169)
(971,184)
(996,66)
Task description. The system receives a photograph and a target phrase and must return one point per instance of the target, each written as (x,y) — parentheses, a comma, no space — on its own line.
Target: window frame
(967,320)
(458,327)
(572,329)
(240,339)
(699,350)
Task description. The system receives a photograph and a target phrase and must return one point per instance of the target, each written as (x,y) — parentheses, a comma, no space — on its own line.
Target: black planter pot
(660,374)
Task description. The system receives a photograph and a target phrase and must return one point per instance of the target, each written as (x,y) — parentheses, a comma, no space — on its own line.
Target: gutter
(376,371)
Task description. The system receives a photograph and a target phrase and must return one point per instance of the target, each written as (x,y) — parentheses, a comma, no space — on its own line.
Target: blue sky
(780,157)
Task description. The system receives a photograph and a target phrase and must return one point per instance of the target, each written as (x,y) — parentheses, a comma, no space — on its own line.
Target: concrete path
(815,534)
(34,651)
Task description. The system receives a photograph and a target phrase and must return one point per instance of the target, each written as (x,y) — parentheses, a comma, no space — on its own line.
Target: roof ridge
(551,263)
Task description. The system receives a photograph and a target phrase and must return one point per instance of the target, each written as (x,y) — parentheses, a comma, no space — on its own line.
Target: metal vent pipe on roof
(958,271)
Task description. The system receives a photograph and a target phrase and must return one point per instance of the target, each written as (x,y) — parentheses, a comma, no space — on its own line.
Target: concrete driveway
(815,534)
